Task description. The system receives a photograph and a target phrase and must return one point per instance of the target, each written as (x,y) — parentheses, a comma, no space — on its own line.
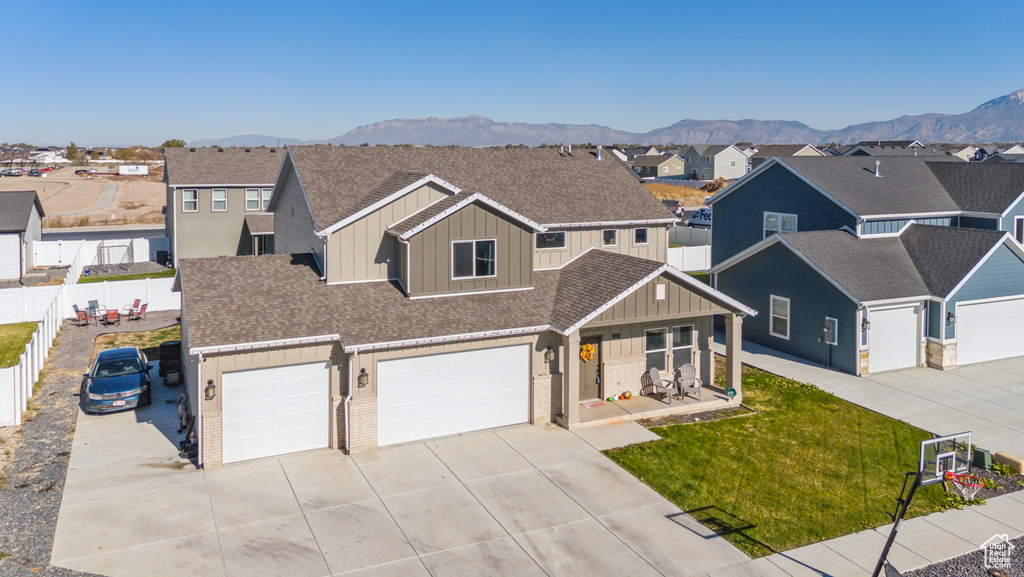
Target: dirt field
(684,194)
(139,199)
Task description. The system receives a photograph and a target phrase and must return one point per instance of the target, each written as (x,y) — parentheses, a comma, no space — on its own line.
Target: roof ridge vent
(878,169)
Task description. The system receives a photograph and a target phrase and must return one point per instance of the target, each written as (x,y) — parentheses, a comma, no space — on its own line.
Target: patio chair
(112,317)
(81,317)
(652,380)
(687,381)
(92,308)
(132,308)
(139,314)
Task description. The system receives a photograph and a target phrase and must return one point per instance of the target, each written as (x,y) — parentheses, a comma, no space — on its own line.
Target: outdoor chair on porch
(687,381)
(652,381)
(139,314)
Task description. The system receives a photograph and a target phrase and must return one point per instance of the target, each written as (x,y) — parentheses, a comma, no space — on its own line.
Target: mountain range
(998,120)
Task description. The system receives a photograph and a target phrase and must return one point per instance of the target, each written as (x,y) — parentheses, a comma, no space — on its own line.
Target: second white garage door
(893,339)
(275,411)
(438,395)
(989,331)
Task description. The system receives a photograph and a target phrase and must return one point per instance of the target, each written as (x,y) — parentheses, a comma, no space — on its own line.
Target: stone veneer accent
(213,441)
(622,376)
(941,356)
(547,397)
(363,428)
(864,362)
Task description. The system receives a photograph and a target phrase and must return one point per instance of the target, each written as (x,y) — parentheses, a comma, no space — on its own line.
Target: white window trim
(474,241)
(615,233)
(1018,221)
(772,315)
(664,352)
(213,200)
(536,235)
(672,343)
(635,230)
(764,232)
(184,200)
(265,194)
(835,335)
(660,291)
(259,203)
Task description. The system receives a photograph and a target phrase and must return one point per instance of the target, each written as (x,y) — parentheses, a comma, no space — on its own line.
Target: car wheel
(146,400)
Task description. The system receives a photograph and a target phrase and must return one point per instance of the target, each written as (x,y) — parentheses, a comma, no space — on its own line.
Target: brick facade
(213,441)
(338,423)
(547,397)
(363,428)
(941,356)
(621,376)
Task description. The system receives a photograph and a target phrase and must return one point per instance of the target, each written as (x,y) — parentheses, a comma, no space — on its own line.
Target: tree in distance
(172,143)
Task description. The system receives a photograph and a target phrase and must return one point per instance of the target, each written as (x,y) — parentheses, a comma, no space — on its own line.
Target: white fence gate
(60,252)
(690,258)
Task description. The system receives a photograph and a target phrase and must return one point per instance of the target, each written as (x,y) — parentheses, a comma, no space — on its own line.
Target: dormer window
(550,240)
(473,259)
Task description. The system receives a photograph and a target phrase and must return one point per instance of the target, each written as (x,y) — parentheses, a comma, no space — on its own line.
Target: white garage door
(437,395)
(893,339)
(10,257)
(275,411)
(989,331)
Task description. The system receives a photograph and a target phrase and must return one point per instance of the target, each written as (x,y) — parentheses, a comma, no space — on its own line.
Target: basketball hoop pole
(901,510)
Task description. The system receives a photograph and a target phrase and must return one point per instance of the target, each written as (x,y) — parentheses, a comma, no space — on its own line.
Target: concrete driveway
(527,500)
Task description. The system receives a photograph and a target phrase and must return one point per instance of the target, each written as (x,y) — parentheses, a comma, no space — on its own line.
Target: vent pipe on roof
(878,168)
(599,159)
(561,150)
(570,150)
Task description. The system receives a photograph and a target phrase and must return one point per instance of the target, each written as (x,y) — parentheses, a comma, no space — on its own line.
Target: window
(778,222)
(863,328)
(252,199)
(266,197)
(666,169)
(640,236)
(190,200)
(779,317)
(220,200)
(707,172)
(708,160)
(609,237)
(829,334)
(682,346)
(659,292)
(655,349)
(549,240)
(1018,229)
(473,259)
(732,163)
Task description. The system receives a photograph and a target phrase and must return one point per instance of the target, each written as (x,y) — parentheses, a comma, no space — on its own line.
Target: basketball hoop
(967,484)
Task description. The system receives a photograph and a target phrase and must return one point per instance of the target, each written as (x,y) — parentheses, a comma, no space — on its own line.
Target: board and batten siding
(629,344)
(1002,275)
(363,250)
(739,216)
(642,305)
(294,230)
(431,252)
(777,271)
(33,231)
(578,241)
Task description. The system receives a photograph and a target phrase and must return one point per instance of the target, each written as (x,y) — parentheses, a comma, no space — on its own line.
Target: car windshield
(117,367)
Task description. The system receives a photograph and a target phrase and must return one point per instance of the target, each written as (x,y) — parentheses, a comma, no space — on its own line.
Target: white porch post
(733,348)
(570,366)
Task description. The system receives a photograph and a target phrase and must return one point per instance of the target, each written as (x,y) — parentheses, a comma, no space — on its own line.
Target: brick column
(363,414)
(213,441)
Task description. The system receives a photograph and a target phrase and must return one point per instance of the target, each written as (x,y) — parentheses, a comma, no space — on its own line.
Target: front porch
(647,406)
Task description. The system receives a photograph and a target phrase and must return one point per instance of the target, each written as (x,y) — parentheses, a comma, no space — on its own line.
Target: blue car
(119,380)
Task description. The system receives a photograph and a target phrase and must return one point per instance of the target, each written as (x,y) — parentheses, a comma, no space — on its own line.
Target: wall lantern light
(865,324)
(363,379)
(950,318)
(211,390)
(549,355)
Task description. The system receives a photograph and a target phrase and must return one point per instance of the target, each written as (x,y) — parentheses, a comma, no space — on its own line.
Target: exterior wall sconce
(363,379)
(950,318)
(211,390)
(549,355)
(865,324)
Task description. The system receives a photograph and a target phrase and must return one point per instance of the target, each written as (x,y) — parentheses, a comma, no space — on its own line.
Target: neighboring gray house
(424,292)
(711,161)
(657,166)
(892,150)
(763,153)
(215,198)
(20,224)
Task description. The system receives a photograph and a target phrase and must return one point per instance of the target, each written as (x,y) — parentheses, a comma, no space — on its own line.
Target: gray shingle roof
(379,312)
(904,151)
(870,270)
(541,184)
(16,209)
(770,150)
(653,160)
(980,187)
(944,255)
(232,166)
(260,223)
(709,149)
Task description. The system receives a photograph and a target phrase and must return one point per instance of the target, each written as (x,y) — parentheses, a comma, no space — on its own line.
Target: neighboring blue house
(933,295)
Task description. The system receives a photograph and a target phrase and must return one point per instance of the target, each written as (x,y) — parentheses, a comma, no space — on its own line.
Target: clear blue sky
(118,73)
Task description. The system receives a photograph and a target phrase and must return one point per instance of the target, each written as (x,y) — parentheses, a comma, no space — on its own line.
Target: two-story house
(711,161)
(870,265)
(657,166)
(765,152)
(422,292)
(217,200)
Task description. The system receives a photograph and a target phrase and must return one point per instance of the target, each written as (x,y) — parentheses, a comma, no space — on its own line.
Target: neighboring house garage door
(275,411)
(989,331)
(893,339)
(10,257)
(437,395)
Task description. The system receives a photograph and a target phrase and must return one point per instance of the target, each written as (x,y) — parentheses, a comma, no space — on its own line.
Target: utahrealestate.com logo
(998,553)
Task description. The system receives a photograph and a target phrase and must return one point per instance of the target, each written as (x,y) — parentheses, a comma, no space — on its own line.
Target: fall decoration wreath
(587,353)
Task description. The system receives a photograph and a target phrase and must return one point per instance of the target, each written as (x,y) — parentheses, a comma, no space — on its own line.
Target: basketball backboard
(951,453)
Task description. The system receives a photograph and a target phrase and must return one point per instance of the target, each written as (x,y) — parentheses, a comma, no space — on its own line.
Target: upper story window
(190,200)
(640,236)
(1018,229)
(778,222)
(252,199)
(220,200)
(609,237)
(266,197)
(548,240)
(473,259)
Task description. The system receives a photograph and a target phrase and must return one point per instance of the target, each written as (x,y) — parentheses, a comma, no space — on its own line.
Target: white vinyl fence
(689,236)
(16,382)
(690,258)
(61,252)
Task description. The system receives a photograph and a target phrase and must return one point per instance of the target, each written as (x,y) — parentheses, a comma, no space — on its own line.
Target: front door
(590,371)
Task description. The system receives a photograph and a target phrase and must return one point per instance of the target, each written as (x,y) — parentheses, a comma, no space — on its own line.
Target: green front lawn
(159,274)
(13,339)
(807,467)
